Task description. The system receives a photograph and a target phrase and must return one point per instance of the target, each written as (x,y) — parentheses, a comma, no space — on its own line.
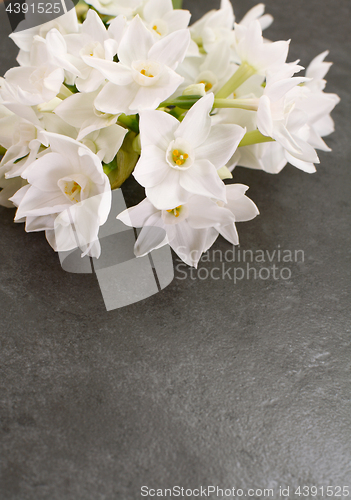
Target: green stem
(130,122)
(254,137)
(177,4)
(64,92)
(183,102)
(2,151)
(248,104)
(242,74)
(177,113)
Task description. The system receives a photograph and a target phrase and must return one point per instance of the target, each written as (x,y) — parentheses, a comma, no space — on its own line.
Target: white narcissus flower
(214,26)
(241,207)
(56,139)
(24,39)
(106,143)
(180,159)
(268,156)
(94,41)
(10,139)
(316,103)
(217,25)
(316,72)
(66,181)
(33,85)
(279,118)
(257,13)
(192,228)
(128,8)
(290,129)
(251,49)
(144,75)
(37,82)
(212,69)
(79,111)
(19,137)
(161,19)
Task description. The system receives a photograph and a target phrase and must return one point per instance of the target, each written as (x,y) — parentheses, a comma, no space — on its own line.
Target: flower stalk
(254,137)
(185,102)
(242,74)
(248,104)
(177,4)
(64,92)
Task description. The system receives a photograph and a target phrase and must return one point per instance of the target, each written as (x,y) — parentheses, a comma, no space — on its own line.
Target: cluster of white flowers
(128,83)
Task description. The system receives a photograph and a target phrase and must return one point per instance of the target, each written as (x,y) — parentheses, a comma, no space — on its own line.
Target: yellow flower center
(208,85)
(72,191)
(146,73)
(179,158)
(175,211)
(155,28)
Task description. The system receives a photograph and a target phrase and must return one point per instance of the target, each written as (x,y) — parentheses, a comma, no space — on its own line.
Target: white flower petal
(169,194)
(151,237)
(43,223)
(116,73)
(91,83)
(204,213)
(109,141)
(264,116)
(157,128)
(196,125)
(37,203)
(138,215)
(150,97)
(221,144)
(77,109)
(156,9)
(236,191)
(177,19)
(243,209)
(116,28)
(318,68)
(171,49)
(116,99)
(302,165)
(273,159)
(189,243)
(94,27)
(229,233)
(136,43)
(202,179)
(152,168)
(58,166)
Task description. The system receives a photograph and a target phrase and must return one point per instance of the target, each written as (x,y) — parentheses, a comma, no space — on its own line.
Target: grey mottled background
(208,382)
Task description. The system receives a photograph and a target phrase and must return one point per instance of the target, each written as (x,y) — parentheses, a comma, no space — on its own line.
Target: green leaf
(123,164)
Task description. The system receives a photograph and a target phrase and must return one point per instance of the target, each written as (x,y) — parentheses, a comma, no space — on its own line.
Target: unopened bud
(224,173)
(195,89)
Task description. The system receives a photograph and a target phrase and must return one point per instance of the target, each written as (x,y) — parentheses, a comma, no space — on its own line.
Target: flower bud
(195,89)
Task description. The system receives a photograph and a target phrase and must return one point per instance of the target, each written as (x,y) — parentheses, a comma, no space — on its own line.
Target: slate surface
(242,385)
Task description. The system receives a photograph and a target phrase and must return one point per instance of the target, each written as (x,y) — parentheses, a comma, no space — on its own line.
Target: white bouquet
(125,87)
